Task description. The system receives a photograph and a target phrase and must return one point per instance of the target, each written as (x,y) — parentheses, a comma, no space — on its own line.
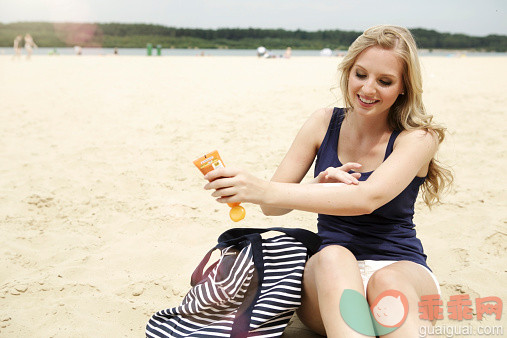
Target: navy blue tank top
(388,233)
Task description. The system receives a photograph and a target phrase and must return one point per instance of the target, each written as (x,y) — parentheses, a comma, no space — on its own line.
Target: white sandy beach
(103,215)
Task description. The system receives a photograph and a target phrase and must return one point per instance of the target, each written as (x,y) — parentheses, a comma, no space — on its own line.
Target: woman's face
(375,81)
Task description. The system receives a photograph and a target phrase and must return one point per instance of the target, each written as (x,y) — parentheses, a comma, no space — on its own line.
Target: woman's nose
(369,87)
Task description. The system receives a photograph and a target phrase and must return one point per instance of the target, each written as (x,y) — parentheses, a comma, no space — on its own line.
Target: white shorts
(368,268)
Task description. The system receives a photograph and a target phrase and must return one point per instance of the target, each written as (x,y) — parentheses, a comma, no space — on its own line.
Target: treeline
(138,35)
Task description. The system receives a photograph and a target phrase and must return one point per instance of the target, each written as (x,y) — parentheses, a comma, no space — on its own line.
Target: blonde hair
(407,112)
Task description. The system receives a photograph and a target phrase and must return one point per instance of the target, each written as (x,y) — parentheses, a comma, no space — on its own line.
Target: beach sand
(103,215)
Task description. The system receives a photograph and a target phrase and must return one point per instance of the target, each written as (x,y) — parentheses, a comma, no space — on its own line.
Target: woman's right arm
(301,154)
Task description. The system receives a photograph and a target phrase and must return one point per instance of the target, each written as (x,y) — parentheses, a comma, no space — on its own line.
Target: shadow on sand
(296,329)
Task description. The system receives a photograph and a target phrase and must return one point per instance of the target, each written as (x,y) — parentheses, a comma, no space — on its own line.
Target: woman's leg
(411,279)
(327,274)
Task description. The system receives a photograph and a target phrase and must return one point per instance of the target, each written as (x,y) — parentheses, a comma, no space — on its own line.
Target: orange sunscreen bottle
(210,162)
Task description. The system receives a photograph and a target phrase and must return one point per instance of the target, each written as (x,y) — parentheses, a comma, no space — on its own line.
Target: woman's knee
(392,277)
(333,256)
(386,278)
(335,268)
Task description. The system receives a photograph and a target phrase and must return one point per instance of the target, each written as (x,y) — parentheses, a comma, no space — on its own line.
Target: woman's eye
(385,83)
(361,76)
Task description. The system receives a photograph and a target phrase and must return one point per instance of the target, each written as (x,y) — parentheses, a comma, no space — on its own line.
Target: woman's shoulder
(420,137)
(322,116)
(419,134)
(324,112)
(316,126)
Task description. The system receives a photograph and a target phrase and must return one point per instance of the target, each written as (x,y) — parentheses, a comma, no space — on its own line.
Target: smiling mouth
(366,101)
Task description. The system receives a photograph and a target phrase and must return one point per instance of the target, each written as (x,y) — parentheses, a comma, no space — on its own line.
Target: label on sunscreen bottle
(212,161)
(209,162)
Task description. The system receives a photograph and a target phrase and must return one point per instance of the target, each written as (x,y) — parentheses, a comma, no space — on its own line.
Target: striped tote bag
(251,291)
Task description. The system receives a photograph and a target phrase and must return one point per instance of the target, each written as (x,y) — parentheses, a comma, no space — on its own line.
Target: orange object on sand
(210,162)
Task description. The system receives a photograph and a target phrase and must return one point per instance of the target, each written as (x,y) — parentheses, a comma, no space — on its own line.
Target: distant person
(261,51)
(115,51)
(288,53)
(326,52)
(78,50)
(17,46)
(270,55)
(29,45)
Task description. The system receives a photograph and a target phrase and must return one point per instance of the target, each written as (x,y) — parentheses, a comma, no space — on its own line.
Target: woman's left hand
(235,185)
(339,174)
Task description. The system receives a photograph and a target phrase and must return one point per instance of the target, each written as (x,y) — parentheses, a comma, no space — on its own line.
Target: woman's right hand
(339,174)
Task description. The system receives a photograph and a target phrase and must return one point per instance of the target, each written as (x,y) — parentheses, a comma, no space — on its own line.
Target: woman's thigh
(326,275)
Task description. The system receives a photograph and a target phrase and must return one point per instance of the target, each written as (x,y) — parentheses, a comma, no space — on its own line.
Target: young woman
(29,45)
(382,146)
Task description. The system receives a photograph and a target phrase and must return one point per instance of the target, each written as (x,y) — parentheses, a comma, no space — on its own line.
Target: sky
(472,17)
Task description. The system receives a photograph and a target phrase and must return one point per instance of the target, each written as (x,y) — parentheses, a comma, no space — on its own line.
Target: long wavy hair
(407,112)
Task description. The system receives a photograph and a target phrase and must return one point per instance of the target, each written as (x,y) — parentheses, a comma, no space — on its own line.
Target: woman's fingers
(221,172)
(225,192)
(350,166)
(345,177)
(224,189)
(230,185)
(321,177)
(219,183)
(235,185)
(341,174)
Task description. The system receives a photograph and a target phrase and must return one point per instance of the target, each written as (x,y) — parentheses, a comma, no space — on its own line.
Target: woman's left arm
(412,153)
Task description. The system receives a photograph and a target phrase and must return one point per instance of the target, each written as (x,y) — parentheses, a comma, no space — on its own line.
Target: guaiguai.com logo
(386,314)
